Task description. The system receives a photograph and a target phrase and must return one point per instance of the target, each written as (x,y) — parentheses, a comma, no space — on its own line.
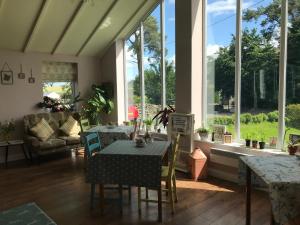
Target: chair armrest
(32,141)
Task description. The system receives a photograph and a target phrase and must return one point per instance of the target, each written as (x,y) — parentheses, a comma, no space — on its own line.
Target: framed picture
(219,131)
(7,77)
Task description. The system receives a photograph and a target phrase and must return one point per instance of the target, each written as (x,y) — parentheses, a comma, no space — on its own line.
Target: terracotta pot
(292,149)
(254,144)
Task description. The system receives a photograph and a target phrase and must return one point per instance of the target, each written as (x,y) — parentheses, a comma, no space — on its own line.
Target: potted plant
(203,133)
(293,147)
(99,102)
(248,140)
(148,122)
(163,115)
(254,141)
(6,129)
(262,142)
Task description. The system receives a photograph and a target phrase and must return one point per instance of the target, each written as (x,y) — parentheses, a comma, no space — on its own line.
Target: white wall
(20,98)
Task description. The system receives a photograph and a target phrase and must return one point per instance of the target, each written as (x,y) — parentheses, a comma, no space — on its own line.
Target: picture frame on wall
(7,77)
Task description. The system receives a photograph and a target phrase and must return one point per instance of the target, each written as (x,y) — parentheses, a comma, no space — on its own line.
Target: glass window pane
(293,71)
(260,67)
(221,16)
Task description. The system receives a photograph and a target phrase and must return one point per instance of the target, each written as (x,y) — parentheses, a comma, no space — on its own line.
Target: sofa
(57,142)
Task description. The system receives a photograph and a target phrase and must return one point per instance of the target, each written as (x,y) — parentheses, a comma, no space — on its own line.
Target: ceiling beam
(36,24)
(123,27)
(68,26)
(97,27)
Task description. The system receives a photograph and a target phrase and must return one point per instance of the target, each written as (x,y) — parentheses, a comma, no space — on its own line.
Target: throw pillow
(42,130)
(70,127)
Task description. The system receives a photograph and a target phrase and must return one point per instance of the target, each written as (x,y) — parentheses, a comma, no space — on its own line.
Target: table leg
(101,198)
(24,152)
(159,205)
(121,199)
(248,196)
(272,221)
(6,156)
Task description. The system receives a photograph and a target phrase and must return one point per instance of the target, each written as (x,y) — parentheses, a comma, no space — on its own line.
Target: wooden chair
(93,145)
(167,176)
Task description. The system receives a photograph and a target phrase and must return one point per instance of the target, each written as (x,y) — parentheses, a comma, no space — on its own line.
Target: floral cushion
(70,127)
(42,130)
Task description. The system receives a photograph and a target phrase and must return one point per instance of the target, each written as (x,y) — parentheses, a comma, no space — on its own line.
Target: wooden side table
(8,144)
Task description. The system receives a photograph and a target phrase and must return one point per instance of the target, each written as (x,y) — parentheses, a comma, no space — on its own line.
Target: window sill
(240,148)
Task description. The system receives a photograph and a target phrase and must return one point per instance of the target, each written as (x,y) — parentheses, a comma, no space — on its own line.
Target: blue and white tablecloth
(282,175)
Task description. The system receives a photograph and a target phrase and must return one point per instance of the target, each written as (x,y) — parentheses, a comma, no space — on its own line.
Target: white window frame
(237,88)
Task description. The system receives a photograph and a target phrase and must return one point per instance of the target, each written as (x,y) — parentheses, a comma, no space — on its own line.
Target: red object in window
(133,112)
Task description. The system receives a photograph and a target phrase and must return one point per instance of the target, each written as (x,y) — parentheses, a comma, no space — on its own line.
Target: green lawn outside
(265,128)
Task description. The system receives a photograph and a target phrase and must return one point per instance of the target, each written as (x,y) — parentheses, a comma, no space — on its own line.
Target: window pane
(293,71)
(260,66)
(132,71)
(221,16)
(152,57)
(170,52)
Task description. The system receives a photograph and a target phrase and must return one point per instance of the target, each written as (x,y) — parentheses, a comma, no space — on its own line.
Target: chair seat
(164,171)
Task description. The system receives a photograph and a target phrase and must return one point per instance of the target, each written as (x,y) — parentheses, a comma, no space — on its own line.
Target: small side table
(8,144)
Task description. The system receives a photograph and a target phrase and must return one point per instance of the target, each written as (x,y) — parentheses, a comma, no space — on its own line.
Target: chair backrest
(92,144)
(174,154)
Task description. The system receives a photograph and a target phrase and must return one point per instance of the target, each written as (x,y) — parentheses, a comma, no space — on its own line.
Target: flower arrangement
(6,129)
(163,115)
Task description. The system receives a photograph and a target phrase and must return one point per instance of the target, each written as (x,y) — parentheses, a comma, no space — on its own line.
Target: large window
(150,86)
(220,60)
(265,108)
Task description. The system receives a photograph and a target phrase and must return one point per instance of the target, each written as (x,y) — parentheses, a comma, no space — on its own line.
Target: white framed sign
(219,131)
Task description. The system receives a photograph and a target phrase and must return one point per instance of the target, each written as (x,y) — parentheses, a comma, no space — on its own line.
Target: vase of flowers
(6,130)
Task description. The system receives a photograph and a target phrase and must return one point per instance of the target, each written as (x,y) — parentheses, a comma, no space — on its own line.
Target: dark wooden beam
(97,27)
(36,24)
(67,27)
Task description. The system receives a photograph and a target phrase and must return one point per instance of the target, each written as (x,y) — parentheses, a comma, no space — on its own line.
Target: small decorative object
(31,79)
(6,129)
(163,115)
(227,137)
(147,137)
(254,140)
(262,142)
(203,132)
(139,142)
(293,145)
(197,162)
(273,142)
(21,75)
(248,140)
(148,122)
(6,75)
(219,131)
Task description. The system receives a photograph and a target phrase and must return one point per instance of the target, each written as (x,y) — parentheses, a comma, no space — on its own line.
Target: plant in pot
(248,140)
(148,122)
(163,115)
(293,147)
(262,142)
(203,133)
(254,141)
(6,129)
(99,102)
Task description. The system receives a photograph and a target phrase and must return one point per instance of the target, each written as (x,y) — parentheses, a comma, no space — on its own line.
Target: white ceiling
(72,27)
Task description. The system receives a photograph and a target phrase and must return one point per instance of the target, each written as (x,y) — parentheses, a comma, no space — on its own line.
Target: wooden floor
(58,187)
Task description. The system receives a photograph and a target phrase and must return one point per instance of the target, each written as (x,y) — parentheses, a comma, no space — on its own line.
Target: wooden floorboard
(58,187)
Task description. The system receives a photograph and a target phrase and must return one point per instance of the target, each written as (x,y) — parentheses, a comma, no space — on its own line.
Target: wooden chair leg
(92,196)
(139,200)
(121,199)
(101,197)
(174,188)
(129,194)
(147,193)
(171,196)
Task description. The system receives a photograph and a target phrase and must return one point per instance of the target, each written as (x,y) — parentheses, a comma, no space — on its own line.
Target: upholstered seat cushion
(52,143)
(71,140)
(42,130)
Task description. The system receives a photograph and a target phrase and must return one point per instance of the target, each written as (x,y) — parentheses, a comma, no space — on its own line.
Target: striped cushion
(70,127)
(42,130)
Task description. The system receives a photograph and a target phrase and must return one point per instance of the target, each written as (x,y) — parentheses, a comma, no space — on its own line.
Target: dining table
(123,163)
(282,177)
(110,133)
